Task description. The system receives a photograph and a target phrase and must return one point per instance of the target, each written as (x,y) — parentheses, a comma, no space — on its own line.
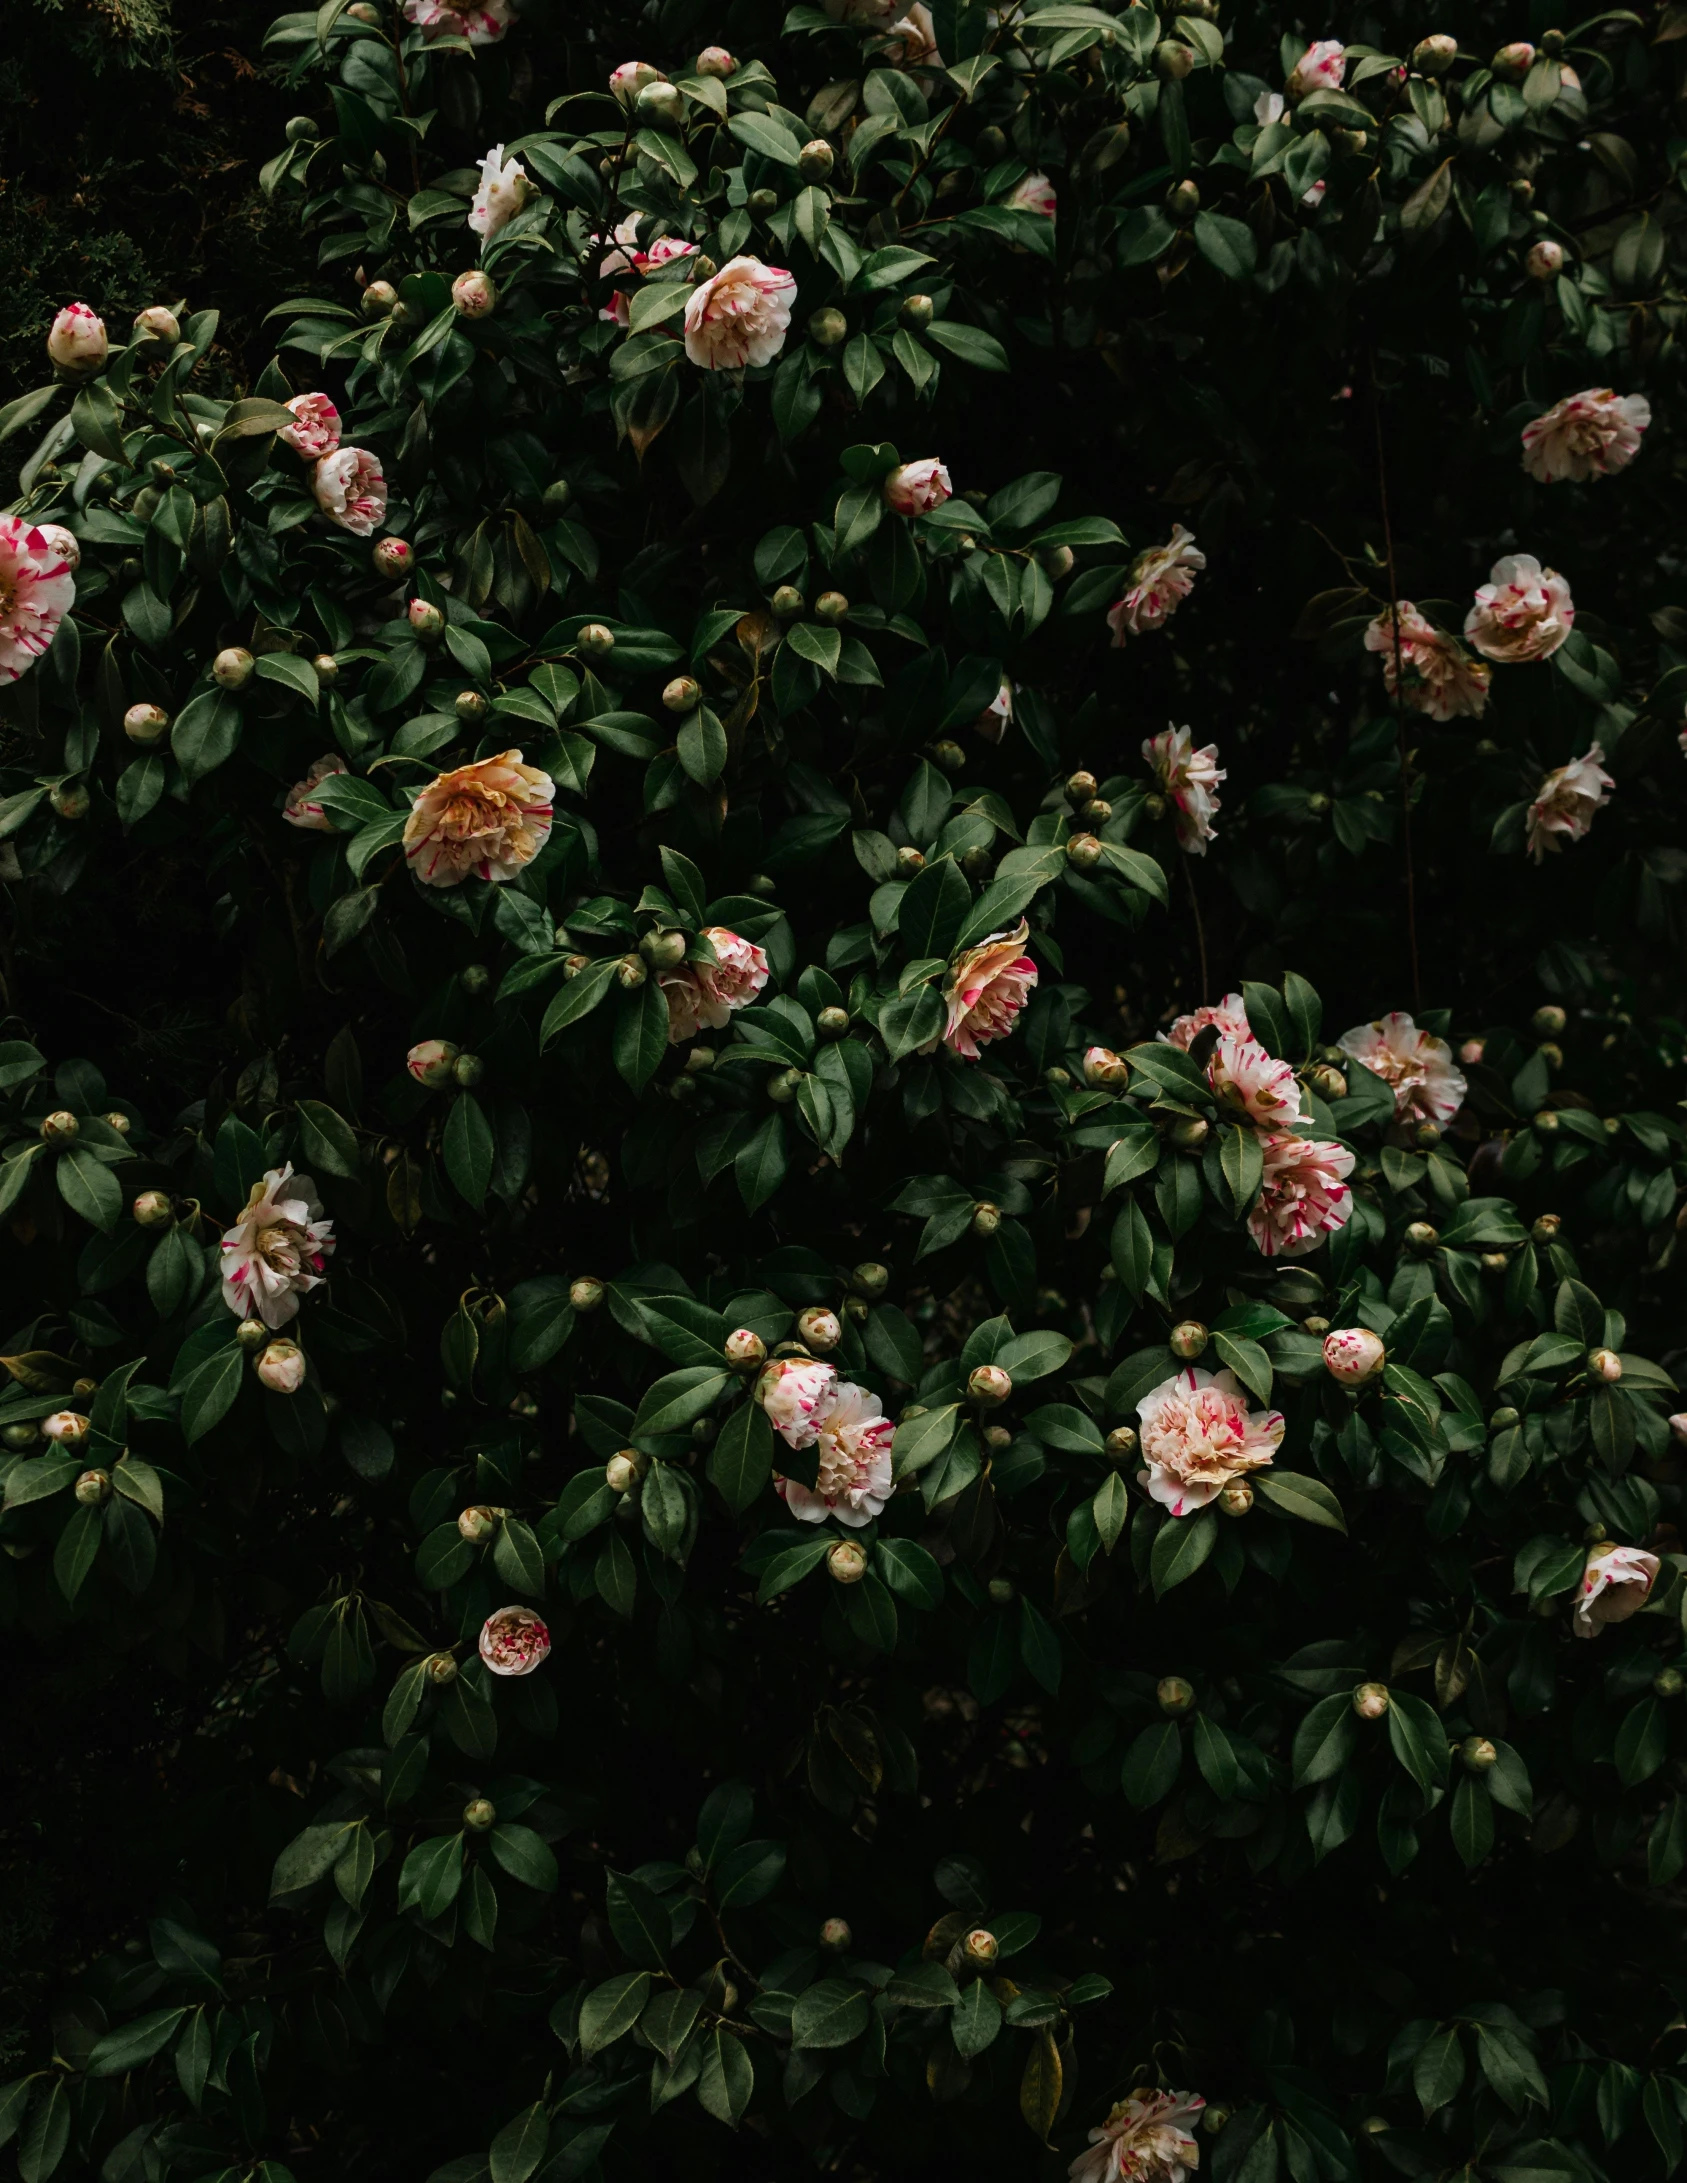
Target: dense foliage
(840,1121)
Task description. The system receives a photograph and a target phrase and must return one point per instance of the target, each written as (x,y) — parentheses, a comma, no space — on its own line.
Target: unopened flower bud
(251,1335)
(70,800)
(836,1937)
(1421,1238)
(620,1473)
(1056,561)
(586,1294)
(391,557)
(476,1525)
(1328,1083)
(870,1278)
(715,60)
(816,160)
(596,641)
(1513,62)
(818,1330)
(153,1209)
(1545,259)
(787,601)
(1084,852)
(627,81)
(1121,1444)
(1678,1425)
(986,1219)
(1183,200)
(1549,1021)
(426,619)
(1546,1228)
(1434,55)
(479,1815)
(77,342)
(232,667)
(1173,60)
(18,1436)
(831,606)
(1080,787)
(431,1061)
(847,1561)
(662,104)
(1551,1054)
(1102,1066)
(61,1127)
(630,974)
(917,312)
(989,1386)
(783,1086)
(1002,1590)
(474,294)
(1096,812)
(157,327)
(826,328)
(1189,1133)
(442,1668)
(832,1023)
(1174,1694)
(146,725)
(1371,1701)
(1188,1339)
(1353,1354)
(65,1428)
(1669,1683)
(663,950)
(467,1071)
(744,1349)
(909,859)
(379,298)
(92,1489)
(1236,1498)
(980,1948)
(1605,1365)
(281,1367)
(1478,1755)
(682,695)
(763,201)
(949,755)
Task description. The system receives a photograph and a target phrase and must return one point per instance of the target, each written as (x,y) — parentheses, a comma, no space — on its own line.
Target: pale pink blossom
(797,1393)
(1320,68)
(911,41)
(514,1641)
(996,718)
(1268,107)
(277,1249)
(301,807)
(1303,1196)
(685,1003)
(1522,612)
(503,189)
(1544,260)
(1249,1081)
(1145,2139)
(700,994)
(63,544)
(627,81)
(489,820)
(37,591)
(915,488)
(1160,579)
(431,1062)
(740,316)
(987,988)
(1417,1066)
(1034,194)
(665,250)
(1198,1433)
(351,490)
(1230,1015)
(1616,1583)
(1566,801)
(1353,1354)
(481,22)
(315,430)
(1436,675)
(1471,1052)
(1587,435)
(853,1482)
(77,340)
(281,1367)
(1188,780)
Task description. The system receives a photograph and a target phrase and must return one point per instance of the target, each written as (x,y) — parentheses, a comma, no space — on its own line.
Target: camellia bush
(840,1116)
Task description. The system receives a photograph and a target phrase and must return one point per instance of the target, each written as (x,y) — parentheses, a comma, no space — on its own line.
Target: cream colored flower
(1251,1082)
(1198,1433)
(1417,1066)
(1616,1583)
(1304,1195)
(277,1249)
(700,994)
(487,820)
(1160,580)
(1436,675)
(351,490)
(315,430)
(987,988)
(301,807)
(739,317)
(1230,1015)
(1588,435)
(514,1641)
(853,1441)
(37,590)
(1566,801)
(504,188)
(1188,779)
(1145,2139)
(797,1393)
(1522,612)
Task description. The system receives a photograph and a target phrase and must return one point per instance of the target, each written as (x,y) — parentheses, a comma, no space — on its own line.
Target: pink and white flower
(1249,1081)
(1522,612)
(1230,1015)
(1160,579)
(915,488)
(1034,194)
(514,1641)
(797,1393)
(740,317)
(853,1482)
(1353,1354)
(63,544)
(1320,68)
(487,820)
(504,188)
(1188,780)
(351,490)
(281,1367)
(1268,107)
(77,340)
(481,22)
(37,591)
(1198,1433)
(1145,2139)
(315,430)
(988,986)
(1426,669)
(997,717)
(627,81)
(1416,1065)
(276,1251)
(665,250)
(1566,801)
(1304,1195)
(1616,1583)
(302,808)
(431,1062)
(1587,435)
(911,41)
(700,994)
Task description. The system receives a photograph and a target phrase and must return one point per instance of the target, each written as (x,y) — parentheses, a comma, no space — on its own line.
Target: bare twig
(1399,712)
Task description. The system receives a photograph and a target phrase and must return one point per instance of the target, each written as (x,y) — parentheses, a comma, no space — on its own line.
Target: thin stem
(1399,712)
(1200,929)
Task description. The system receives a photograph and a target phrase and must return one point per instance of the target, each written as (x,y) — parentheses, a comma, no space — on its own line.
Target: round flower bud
(1605,1365)
(826,328)
(146,725)
(682,695)
(786,601)
(1353,1354)
(476,1525)
(281,1367)
(1096,812)
(1102,1066)
(1175,1696)
(1434,55)
(81,1390)
(831,606)
(986,1219)
(1084,852)
(744,1349)
(92,1489)
(61,1127)
(392,557)
(155,326)
(910,859)
(832,1022)
(620,1473)
(1478,1755)
(699,1060)
(1548,1021)
(847,1560)
(153,1209)
(1421,1238)
(596,641)
(661,103)
(232,667)
(1371,1701)
(980,1948)
(763,201)
(251,1335)
(663,950)
(1121,1444)
(379,298)
(17,1436)
(836,1937)
(816,160)
(1183,201)
(715,60)
(474,295)
(1328,1083)
(479,1814)
(426,619)
(1552,1055)
(1513,62)
(989,1386)
(1214,2120)
(474,978)
(431,1061)
(1173,60)
(1188,1339)
(65,1428)
(1669,1683)
(1315,1325)
(70,800)
(949,755)
(1189,1133)
(1236,1498)
(783,1085)
(870,1278)
(1545,260)
(77,341)
(467,1071)
(301,130)
(1057,561)
(1080,787)
(586,1294)
(819,1330)
(326,668)
(630,974)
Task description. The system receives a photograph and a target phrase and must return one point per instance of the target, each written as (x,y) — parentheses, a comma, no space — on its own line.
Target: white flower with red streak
(481,22)
(700,994)
(1160,580)
(1426,669)
(315,430)
(1565,802)
(1034,194)
(1353,1354)
(1198,1433)
(1523,612)
(1417,1066)
(1303,1197)
(503,189)
(1249,1081)
(1616,1583)
(915,488)
(665,250)
(1145,2139)
(741,316)
(797,1393)
(987,988)
(1188,779)
(911,41)
(277,1249)
(77,340)
(853,1482)
(351,490)
(1588,435)
(301,807)
(486,820)
(514,1641)
(1230,1015)
(37,591)
(1320,68)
